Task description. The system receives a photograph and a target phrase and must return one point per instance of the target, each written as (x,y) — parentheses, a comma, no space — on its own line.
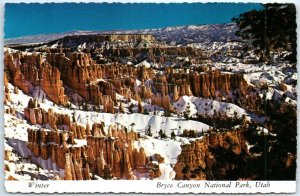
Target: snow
(22,168)
(54,45)
(142,122)
(168,124)
(16,138)
(230,56)
(16,130)
(224,54)
(38,93)
(169,149)
(207,106)
(143,63)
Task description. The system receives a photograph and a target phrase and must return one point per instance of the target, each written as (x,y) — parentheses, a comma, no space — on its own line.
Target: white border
(118,186)
(150,186)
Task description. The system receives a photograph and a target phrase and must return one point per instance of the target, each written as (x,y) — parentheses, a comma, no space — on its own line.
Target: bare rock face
(6,90)
(140,158)
(207,83)
(52,85)
(99,83)
(7,155)
(108,105)
(20,81)
(164,102)
(80,72)
(36,115)
(68,168)
(34,72)
(108,155)
(5,79)
(76,70)
(200,156)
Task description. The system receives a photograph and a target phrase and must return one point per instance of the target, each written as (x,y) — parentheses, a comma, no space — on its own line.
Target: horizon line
(112,30)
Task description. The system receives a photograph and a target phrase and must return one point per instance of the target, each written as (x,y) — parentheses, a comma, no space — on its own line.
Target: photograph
(165,92)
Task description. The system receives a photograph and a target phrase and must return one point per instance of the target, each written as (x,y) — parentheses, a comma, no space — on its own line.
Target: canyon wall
(99,84)
(107,154)
(199,159)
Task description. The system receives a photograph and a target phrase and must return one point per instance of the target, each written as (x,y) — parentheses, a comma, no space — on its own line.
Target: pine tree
(149,132)
(132,125)
(173,135)
(160,133)
(271,28)
(130,108)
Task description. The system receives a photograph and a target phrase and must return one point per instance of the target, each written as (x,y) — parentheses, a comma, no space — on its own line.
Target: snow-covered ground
(232,57)
(168,124)
(22,168)
(168,149)
(16,127)
(16,130)
(197,105)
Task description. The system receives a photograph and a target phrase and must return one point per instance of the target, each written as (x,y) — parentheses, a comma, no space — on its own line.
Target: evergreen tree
(167,113)
(130,108)
(132,125)
(161,134)
(271,28)
(173,135)
(146,112)
(149,132)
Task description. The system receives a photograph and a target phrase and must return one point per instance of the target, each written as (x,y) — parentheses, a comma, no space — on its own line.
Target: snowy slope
(16,133)
(169,149)
(142,122)
(206,106)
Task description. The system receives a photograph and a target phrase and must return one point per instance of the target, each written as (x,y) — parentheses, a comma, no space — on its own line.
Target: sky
(33,19)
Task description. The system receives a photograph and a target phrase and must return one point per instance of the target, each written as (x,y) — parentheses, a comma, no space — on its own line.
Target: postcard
(150,97)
